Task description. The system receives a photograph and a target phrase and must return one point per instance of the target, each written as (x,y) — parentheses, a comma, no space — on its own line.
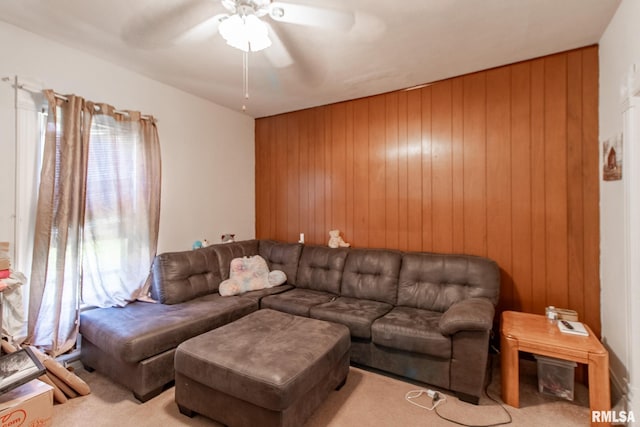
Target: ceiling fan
(244,25)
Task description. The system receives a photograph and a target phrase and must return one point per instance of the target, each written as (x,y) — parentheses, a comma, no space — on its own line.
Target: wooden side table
(533,333)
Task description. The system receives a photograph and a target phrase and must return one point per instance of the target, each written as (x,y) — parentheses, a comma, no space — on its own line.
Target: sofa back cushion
(435,282)
(371,274)
(281,256)
(320,268)
(181,276)
(228,251)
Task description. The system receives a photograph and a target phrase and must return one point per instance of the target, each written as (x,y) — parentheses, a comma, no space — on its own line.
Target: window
(116,234)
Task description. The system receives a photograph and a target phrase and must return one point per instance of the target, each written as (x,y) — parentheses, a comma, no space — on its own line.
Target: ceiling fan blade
(277,53)
(171,21)
(312,16)
(203,31)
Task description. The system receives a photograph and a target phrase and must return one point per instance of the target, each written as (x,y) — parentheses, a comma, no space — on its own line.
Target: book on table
(571,327)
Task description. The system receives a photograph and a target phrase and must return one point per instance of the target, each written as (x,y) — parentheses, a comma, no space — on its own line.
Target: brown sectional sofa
(423,316)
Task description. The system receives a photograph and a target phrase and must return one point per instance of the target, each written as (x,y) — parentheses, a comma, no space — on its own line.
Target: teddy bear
(335,241)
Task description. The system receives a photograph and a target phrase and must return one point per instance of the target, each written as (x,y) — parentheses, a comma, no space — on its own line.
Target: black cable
(486,392)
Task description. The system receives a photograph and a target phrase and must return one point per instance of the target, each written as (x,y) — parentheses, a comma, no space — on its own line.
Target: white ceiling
(393,44)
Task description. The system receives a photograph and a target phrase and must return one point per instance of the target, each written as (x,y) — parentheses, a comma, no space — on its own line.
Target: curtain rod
(28,88)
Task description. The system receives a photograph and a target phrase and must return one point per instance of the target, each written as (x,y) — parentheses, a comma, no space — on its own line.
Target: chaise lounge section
(135,345)
(423,316)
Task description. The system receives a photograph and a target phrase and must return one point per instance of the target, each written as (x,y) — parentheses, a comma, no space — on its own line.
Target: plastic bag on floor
(13,308)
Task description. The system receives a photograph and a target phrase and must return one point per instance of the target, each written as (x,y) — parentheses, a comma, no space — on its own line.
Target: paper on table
(578,328)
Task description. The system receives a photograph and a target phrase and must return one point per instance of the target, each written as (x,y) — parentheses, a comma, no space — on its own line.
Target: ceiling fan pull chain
(246,75)
(245,78)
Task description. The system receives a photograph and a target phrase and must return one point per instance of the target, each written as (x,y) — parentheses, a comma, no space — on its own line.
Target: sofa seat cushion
(412,329)
(296,301)
(141,330)
(357,314)
(259,294)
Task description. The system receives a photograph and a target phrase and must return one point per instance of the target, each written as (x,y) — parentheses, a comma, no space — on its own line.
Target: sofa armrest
(472,314)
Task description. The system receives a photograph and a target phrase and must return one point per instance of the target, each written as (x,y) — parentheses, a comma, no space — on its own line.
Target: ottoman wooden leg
(186,411)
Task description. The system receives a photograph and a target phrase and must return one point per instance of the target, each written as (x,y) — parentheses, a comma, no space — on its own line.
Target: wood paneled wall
(501,163)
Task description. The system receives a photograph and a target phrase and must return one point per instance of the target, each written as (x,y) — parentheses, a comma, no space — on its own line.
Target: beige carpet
(368,399)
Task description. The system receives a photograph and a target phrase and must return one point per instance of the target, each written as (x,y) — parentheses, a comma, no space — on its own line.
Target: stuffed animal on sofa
(250,274)
(335,241)
(228,238)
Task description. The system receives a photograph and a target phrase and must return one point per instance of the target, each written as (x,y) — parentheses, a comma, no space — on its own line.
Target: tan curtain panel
(57,253)
(153,172)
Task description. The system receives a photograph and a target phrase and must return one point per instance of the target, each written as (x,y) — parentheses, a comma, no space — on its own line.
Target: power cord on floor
(437,399)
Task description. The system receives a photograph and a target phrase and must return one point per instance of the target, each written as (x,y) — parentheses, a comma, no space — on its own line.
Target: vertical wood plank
(328,169)
(304,187)
(260,186)
(361,173)
(391,171)
(475,165)
(441,160)
(309,233)
(281,211)
(427,205)
(414,170)
(319,155)
(349,172)
(575,203)
(538,198)
(521,186)
(403,172)
(338,168)
(457,165)
(377,172)
(591,194)
(293,178)
(555,133)
(273,178)
(499,178)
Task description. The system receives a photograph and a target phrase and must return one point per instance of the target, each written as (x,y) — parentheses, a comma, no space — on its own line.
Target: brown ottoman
(268,368)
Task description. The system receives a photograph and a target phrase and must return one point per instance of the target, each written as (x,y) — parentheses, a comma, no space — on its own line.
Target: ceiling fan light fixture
(245,32)
(277,12)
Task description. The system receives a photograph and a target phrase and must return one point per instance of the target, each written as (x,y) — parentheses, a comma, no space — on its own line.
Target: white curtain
(29,135)
(120,229)
(20,144)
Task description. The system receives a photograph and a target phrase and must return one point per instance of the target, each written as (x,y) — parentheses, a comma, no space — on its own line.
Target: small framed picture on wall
(612,158)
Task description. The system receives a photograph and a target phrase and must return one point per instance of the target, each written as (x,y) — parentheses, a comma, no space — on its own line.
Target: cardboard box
(30,405)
